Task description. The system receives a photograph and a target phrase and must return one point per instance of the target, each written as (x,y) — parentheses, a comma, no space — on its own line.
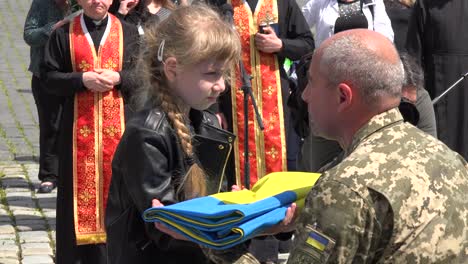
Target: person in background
(141,12)
(416,103)
(436,39)
(43,17)
(399,12)
(172,150)
(85,64)
(271,32)
(329,17)
(416,106)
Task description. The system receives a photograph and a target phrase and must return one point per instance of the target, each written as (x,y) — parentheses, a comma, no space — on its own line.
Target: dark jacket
(41,18)
(149,163)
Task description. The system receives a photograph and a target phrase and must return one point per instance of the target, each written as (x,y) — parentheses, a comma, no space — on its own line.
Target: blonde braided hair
(191,35)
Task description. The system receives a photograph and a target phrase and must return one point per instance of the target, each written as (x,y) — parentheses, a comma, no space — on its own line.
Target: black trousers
(49,109)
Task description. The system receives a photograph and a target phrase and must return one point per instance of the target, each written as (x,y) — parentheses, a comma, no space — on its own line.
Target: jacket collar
(376,123)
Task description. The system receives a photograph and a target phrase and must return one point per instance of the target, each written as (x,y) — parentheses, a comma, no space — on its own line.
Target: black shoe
(46,188)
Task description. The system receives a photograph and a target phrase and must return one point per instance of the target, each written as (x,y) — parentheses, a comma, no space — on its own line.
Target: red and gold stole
(267,149)
(97,128)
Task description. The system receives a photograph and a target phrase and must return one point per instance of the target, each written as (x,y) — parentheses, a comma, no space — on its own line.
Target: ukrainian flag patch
(317,241)
(317,245)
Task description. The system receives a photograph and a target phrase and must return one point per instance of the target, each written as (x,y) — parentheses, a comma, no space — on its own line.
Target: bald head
(374,42)
(366,60)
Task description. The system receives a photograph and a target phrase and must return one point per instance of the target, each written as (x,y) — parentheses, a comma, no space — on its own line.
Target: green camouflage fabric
(396,196)
(236,255)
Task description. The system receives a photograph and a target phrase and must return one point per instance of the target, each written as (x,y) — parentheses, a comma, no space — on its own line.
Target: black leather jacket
(149,163)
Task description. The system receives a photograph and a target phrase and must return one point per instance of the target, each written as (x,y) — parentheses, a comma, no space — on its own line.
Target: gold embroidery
(241,27)
(271,123)
(111,130)
(85,131)
(84,66)
(272,152)
(268,19)
(85,196)
(110,64)
(113,35)
(270,90)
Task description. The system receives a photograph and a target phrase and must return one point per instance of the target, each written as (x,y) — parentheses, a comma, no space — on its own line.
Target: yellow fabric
(273,184)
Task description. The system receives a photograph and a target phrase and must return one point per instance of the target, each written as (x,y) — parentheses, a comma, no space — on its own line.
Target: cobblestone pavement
(27,219)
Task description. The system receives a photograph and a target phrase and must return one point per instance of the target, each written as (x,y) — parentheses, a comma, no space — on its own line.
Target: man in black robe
(436,36)
(290,38)
(63,81)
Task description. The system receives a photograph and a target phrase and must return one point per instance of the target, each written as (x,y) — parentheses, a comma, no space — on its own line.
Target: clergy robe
(436,36)
(297,42)
(62,81)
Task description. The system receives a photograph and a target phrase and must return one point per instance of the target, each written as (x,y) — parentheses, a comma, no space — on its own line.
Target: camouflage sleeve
(236,255)
(335,225)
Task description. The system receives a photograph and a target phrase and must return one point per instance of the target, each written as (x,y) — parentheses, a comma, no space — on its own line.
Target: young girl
(167,143)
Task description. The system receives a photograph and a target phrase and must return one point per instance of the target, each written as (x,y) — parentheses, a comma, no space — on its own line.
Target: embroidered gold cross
(272,152)
(113,35)
(85,131)
(270,90)
(111,130)
(271,123)
(84,66)
(110,64)
(241,27)
(85,196)
(268,18)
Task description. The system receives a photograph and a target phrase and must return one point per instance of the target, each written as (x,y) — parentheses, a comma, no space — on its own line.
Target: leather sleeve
(145,167)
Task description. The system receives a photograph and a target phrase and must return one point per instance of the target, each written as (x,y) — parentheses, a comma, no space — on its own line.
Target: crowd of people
(141,103)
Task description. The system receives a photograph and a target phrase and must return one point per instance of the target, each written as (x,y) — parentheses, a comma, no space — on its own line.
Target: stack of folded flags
(224,220)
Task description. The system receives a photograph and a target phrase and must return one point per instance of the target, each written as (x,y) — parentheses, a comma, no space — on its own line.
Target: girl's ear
(170,68)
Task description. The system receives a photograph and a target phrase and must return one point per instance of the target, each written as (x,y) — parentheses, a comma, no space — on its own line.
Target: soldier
(397,195)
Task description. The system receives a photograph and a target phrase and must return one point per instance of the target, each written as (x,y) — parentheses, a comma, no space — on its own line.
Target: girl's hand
(162,227)
(287,225)
(236,188)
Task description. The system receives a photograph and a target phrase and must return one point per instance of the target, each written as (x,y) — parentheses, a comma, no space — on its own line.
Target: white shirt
(322,15)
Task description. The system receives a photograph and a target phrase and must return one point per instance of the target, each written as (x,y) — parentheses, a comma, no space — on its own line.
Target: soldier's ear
(345,96)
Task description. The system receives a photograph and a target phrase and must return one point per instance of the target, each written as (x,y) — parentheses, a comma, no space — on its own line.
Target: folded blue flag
(223,220)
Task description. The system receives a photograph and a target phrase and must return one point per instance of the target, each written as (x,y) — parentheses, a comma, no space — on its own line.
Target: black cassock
(437,36)
(62,81)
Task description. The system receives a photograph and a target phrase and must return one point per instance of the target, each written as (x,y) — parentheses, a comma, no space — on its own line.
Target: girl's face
(200,85)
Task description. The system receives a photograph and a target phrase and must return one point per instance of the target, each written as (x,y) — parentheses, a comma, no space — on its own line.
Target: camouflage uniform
(236,255)
(396,196)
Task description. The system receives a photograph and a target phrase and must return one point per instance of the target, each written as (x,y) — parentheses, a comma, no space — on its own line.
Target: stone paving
(27,219)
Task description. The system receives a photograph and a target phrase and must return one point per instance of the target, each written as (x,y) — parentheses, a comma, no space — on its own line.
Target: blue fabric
(210,222)
(224,220)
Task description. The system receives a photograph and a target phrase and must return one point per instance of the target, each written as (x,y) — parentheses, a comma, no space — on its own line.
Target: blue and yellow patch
(317,241)
(317,247)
